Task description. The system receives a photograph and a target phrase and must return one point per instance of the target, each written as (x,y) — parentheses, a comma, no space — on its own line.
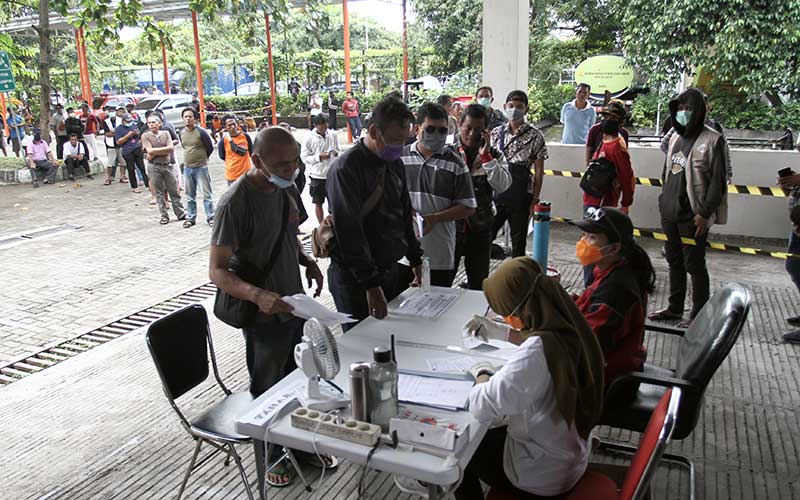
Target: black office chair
(703,347)
(180,344)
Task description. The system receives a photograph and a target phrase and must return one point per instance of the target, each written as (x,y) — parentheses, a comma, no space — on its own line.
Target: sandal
(278,476)
(686,323)
(107,182)
(188,223)
(137,190)
(313,460)
(123,180)
(664,315)
(164,220)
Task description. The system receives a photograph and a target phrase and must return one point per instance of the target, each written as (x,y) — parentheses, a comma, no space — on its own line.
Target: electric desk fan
(318,358)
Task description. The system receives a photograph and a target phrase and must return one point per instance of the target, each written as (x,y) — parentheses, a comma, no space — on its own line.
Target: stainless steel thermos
(359,391)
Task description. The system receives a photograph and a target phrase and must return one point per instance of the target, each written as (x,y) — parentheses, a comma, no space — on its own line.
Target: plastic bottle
(383,388)
(426,273)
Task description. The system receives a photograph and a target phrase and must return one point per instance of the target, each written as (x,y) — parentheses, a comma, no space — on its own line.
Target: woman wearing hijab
(550,391)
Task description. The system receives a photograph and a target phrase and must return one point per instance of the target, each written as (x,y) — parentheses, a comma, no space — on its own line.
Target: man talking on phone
(694,197)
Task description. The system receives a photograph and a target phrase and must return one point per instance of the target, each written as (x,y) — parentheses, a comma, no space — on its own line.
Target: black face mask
(609,127)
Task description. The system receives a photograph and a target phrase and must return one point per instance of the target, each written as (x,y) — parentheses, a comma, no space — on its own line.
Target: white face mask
(514,114)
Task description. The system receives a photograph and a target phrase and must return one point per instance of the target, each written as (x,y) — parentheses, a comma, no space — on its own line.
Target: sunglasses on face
(430,129)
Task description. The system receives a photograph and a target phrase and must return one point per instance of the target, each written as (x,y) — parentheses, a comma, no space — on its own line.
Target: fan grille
(323,347)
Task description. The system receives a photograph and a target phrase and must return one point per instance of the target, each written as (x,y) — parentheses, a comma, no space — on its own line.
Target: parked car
(251,88)
(171,104)
(101,101)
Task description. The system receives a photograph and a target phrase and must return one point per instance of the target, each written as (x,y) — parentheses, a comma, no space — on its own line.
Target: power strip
(348,430)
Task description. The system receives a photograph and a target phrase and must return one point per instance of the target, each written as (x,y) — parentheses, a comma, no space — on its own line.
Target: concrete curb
(23,176)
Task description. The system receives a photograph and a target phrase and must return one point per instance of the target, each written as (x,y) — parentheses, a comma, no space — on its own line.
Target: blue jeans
(793,264)
(355,126)
(195,177)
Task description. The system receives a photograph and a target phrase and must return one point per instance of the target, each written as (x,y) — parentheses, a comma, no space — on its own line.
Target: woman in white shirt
(550,393)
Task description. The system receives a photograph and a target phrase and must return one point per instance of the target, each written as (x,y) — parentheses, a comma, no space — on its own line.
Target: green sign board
(6,76)
(611,73)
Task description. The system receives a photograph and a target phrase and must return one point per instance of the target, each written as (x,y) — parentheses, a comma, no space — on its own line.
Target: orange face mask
(587,253)
(514,322)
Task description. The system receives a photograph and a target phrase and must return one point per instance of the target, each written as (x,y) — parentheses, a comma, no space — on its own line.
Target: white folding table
(417,339)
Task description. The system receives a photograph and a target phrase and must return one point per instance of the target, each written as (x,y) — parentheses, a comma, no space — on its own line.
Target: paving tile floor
(98,427)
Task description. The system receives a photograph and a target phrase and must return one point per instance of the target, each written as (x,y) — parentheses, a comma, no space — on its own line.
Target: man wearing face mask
(613,111)
(363,272)
(694,197)
(441,193)
(485,96)
(490,175)
(256,226)
(523,146)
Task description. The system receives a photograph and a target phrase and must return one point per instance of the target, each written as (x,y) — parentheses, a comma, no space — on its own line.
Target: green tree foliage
(454,31)
(751,44)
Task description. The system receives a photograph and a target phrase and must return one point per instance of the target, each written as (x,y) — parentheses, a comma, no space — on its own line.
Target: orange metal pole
(86,86)
(405,44)
(5,111)
(347,88)
(80,60)
(272,96)
(199,71)
(166,70)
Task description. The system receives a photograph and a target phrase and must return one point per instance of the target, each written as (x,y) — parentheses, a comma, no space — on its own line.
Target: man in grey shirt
(248,224)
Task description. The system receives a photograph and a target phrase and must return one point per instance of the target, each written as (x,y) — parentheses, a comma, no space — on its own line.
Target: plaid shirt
(525,147)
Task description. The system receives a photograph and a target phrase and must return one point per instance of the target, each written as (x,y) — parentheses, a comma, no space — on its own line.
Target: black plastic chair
(180,344)
(703,347)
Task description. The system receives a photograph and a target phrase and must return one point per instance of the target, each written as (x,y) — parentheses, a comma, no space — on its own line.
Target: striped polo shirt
(436,184)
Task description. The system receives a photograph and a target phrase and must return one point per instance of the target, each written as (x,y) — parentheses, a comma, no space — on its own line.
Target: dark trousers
(332,120)
(793,264)
(518,220)
(60,141)
(134,160)
(487,465)
(43,169)
(72,163)
(350,297)
(476,248)
(683,259)
(439,277)
(269,347)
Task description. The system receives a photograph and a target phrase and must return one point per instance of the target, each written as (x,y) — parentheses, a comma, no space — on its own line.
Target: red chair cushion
(592,486)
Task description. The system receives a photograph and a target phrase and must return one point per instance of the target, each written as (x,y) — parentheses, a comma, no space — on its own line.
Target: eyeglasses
(430,129)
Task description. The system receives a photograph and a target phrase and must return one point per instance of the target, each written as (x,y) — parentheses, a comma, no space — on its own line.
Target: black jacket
(368,248)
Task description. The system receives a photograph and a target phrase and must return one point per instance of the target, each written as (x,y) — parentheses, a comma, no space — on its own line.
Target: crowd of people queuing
(438,184)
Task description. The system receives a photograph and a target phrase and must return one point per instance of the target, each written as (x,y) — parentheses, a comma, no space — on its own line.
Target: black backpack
(599,177)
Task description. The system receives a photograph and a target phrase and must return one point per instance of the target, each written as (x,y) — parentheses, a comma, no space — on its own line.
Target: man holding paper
(256,229)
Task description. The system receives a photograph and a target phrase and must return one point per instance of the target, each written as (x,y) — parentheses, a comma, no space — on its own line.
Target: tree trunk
(44,68)
(774,99)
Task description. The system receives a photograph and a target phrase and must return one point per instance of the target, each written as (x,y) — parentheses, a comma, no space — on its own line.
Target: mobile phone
(785,172)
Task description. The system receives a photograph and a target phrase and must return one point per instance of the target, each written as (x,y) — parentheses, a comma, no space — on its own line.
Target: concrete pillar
(505,46)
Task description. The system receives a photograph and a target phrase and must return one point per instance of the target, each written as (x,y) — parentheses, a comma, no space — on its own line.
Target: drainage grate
(59,352)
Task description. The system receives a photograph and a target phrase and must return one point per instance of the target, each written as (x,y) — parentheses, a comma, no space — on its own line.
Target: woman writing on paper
(550,390)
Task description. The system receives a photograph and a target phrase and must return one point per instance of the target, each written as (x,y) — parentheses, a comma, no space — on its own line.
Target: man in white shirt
(314,107)
(75,155)
(318,153)
(578,116)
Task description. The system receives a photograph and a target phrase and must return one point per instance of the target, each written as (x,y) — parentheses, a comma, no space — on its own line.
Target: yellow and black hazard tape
(725,247)
(649,181)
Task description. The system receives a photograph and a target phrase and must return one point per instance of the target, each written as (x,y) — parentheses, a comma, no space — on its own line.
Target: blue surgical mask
(486,102)
(683,117)
(280,181)
(390,152)
(514,114)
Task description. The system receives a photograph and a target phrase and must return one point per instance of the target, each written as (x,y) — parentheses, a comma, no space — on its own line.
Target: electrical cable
(316,452)
(365,469)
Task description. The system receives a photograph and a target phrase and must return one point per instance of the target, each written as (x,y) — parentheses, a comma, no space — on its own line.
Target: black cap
(382,354)
(616,225)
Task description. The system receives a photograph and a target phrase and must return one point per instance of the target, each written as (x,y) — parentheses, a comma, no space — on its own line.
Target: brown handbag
(323,238)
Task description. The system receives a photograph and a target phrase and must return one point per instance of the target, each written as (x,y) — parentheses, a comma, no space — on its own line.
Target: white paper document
(451,364)
(425,304)
(436,392)
(306,307)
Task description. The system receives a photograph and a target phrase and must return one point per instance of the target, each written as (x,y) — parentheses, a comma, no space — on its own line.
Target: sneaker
(210,222)
(36,184)
(71,178)
(794,320)
(792,337)
(90,177)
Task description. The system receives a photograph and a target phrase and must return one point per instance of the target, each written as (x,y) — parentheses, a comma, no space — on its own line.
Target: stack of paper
(435,392)
(426,304)
(306,307)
